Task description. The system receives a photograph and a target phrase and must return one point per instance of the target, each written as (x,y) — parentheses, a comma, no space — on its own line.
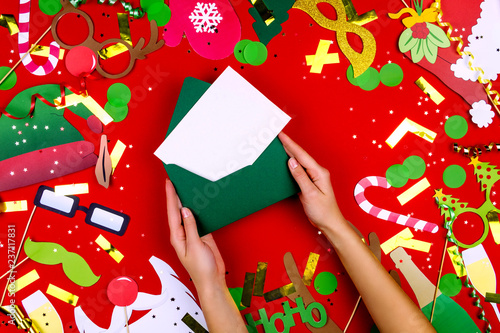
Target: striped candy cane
(359,195)
(24,46)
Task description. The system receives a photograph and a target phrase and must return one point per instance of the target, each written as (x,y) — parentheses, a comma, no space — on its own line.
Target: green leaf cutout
(437,36)
(430,51)
(406,41)
(417,52)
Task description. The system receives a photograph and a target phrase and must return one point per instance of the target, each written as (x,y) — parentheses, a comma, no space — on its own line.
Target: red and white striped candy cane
(359,195)
(24,43)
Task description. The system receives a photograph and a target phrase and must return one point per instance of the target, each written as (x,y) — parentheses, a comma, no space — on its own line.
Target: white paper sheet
(226,130)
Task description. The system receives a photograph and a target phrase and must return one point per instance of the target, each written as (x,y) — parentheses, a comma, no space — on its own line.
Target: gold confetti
(71,189)
(110,249)
(13,206)
(193,324)
(89,103)
(264,12)
(279,292)
(246,297)
(429,90)
(354,18)
(9,21)
(118,48)
(413,191)
(62,295)
(260,279)
(322,57)
(312,262)
(116,154)
(44,51)
(26,280)
(406,126)
(456,260)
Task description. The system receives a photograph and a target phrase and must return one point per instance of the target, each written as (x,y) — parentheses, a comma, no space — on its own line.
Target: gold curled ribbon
(17,315)
(9,21)
(360,61)
(475,150)
(428,15)
(264,13)
(117,49)
(493,95)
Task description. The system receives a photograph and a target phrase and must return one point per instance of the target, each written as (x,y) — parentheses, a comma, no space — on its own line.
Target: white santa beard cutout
(167,309)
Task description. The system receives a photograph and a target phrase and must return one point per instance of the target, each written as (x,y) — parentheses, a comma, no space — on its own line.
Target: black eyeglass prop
(96,215)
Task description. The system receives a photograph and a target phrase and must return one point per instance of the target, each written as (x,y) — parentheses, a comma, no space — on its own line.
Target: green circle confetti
(450,285)
(456,127)
(361,79)
(49,7)
(160,13)
(325,283)
(397,175)
(391,75)
(118,113)
(255,53)
(239,48)
(373,80)
(119,94)
(236,294)
(146,4)
(454,176)
(10,81)
(416,166)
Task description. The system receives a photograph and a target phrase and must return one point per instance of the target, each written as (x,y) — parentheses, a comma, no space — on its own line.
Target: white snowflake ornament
(205,17)
(481,114)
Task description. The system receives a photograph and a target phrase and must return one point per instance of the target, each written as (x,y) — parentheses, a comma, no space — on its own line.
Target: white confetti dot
(12,173)
(56,162)
(51,171)
(35,127)
(354,136)
(46,127)
(430,154)
(374,142)
(17,143)
(13,127)
(150,88)
(25,169)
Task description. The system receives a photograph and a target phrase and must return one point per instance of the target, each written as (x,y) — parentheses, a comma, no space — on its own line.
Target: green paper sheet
(217,204)
(449,317)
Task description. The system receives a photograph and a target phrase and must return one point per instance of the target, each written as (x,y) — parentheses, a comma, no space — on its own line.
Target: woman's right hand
(316,195)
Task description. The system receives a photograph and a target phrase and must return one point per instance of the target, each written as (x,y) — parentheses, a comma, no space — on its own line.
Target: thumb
(301,177)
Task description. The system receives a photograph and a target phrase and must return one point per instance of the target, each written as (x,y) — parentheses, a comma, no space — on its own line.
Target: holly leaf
(437,36)
(417,52)
(406,41)
(430,50)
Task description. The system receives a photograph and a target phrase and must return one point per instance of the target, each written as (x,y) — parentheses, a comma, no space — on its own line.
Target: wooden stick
(24,56)
(126,318)
(353,313)
(439,278)
(17,255)
(404,3)
(19,264)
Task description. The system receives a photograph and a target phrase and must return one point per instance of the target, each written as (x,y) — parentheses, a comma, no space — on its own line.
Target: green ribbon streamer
(133,12)
(473,294)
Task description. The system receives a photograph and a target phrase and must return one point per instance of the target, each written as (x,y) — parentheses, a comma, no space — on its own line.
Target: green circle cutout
(373,80)
(454,176)
(119,91)
(236,294)
(160,13)
(239,48)
(397,175)
(450,285)
(456,127)
(49,7)
(255,53)
(361,79)
(391,75)
(118,113)
(10,81)
(325,283)
(146,4)
(416,166)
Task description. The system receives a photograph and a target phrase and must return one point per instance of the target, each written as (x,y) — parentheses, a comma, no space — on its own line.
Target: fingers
(301,177)
(192,236)
(177,234)
(315,172)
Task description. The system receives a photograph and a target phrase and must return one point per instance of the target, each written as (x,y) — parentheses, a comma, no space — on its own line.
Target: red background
(342,126)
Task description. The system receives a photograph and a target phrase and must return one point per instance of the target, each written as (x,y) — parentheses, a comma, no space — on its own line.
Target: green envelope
(217,204)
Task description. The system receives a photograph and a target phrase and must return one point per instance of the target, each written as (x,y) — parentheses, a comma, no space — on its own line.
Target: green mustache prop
(74,266)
